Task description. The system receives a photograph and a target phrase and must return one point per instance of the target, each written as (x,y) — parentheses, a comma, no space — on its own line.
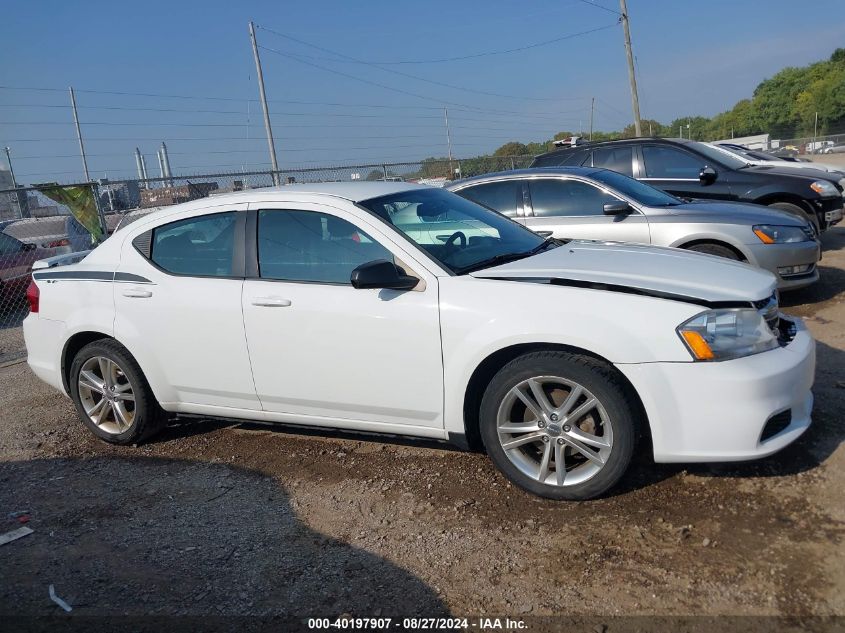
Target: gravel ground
(234,519)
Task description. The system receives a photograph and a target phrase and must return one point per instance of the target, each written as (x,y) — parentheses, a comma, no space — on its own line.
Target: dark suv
(695,170)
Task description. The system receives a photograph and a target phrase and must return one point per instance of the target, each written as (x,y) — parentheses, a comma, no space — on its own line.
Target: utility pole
(592,110)
(79,135)
(11,169)
(267,126)
(448,141)
(635,99)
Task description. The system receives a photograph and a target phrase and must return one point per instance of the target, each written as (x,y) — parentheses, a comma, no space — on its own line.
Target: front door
(676,171)
(325,353)
(574,209)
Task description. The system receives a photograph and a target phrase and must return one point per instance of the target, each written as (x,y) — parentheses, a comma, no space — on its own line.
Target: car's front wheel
(111,394)
(559,425)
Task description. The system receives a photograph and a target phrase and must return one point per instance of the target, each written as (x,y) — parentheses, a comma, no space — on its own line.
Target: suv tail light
(57,243)
(32,296)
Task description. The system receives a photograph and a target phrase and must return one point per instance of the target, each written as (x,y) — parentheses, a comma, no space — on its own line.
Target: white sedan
(350,305)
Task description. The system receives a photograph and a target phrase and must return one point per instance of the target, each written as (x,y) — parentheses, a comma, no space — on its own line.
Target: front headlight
(824,189)
(772,234)
(727,333)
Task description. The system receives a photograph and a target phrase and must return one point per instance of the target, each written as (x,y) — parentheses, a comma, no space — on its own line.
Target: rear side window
(499,196)
(614,158)
(201,246)
(312,247)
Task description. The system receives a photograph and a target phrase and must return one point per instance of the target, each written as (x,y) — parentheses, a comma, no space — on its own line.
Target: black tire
(799,212)
(714,249)
(602,381)
(148,419)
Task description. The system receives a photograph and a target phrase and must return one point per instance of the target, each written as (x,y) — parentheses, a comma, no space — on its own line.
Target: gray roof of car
(523,173)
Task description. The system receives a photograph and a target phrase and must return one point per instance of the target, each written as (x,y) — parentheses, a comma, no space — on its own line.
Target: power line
(287,101)
(599,6)
(457,58)
(397,72)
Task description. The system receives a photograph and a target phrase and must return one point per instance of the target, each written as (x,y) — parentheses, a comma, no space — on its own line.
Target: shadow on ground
(132,536)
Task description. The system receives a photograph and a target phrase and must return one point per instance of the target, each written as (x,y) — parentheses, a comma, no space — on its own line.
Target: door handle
(271,302)
(137,293)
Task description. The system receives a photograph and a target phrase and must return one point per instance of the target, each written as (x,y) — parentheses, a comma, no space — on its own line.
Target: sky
(367,82)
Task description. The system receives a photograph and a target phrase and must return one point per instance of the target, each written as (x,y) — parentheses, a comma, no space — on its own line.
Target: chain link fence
(33,226)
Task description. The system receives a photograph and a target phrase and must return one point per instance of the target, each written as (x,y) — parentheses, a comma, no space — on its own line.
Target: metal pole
(79,135)
(448,141)
(635,99)
(592,110)
(263,94)
(11,169)
(384,171)
(681,131)
(815,134)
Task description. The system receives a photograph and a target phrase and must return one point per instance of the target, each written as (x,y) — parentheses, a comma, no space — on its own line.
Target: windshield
(460,234)
(638,191)
(719,154)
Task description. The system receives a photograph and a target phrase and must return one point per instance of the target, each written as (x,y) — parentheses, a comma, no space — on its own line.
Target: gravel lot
(242,519)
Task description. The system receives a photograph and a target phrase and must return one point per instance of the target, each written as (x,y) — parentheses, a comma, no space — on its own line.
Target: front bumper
(711,412)
(771,257)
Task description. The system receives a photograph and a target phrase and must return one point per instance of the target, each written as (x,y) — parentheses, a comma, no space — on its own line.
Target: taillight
(32,296)
(57,243)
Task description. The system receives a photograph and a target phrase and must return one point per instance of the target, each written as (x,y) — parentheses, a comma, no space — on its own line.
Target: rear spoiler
(60,260)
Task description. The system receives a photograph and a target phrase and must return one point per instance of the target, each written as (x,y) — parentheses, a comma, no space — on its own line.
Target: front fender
(482,317)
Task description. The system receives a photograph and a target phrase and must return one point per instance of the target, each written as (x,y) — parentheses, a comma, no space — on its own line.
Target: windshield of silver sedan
(461,235)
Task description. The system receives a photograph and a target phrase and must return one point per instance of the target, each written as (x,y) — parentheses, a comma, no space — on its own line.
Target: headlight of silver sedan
(727,333)
(773,234)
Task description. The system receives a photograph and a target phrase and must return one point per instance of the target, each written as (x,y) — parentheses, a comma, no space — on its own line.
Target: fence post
(512,164)
(95,191)
(384,169)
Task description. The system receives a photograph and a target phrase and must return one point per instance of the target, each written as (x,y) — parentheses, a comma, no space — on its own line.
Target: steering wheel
(449,246)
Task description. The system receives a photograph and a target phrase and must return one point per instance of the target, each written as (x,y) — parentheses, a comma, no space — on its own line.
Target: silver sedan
(597,204)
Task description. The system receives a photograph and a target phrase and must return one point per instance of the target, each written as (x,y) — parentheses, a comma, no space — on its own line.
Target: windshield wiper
(503,258)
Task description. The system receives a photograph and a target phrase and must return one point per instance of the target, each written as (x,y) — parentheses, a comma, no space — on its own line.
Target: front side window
(200,246)
(460,234)
(668,162)
(308,246)
(500,196)
(614,158)
(569,198)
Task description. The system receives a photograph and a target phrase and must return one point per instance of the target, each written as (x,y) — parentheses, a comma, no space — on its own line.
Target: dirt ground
(230,519)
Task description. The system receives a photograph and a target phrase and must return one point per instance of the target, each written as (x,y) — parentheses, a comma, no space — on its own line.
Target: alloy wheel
(107,395)
(554,430)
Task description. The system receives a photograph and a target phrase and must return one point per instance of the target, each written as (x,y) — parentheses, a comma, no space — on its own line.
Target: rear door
(574,209)
(177,296)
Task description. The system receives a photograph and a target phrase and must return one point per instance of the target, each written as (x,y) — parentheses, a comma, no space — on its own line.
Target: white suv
(400,309)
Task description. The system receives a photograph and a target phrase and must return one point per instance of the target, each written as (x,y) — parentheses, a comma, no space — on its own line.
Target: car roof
(531,171)
(355,191)
(621,141)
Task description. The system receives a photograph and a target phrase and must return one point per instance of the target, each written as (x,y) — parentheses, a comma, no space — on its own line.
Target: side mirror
(381,273)
(28,246)
(707,176)
(615,208)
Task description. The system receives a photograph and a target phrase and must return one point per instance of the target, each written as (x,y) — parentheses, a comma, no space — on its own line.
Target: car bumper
(44,342)
(775,257)
(706,412)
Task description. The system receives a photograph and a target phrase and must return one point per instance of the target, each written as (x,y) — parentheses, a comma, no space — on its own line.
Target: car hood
(838,170)
(666,272)
(732,212)
(803,172)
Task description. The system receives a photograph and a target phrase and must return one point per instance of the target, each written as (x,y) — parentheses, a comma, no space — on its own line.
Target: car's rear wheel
(559,425)
(111,394)
(795,210)
(718,250)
